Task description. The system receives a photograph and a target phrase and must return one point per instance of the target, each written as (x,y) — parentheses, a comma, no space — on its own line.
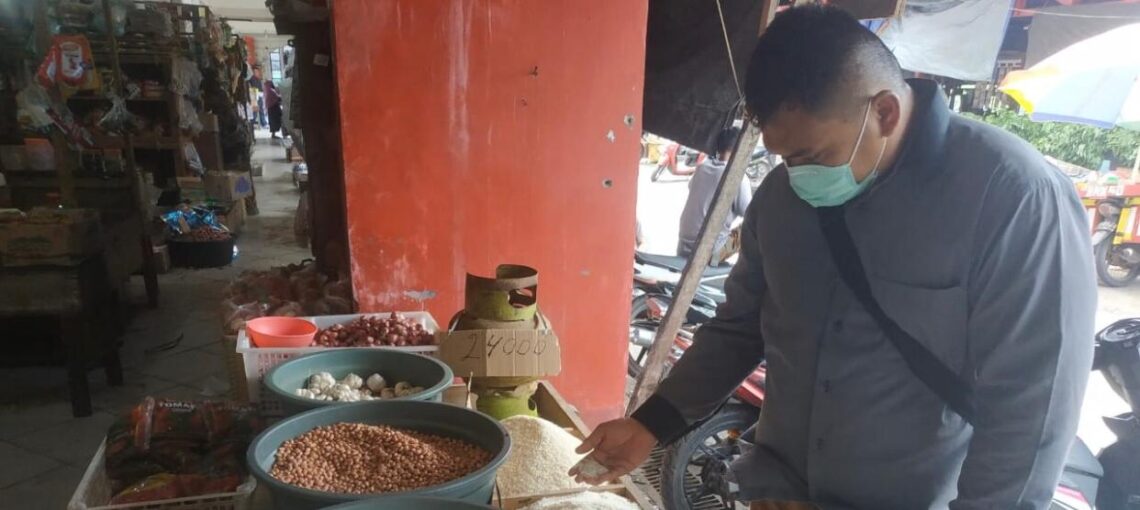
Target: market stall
(367,409)
(121,152)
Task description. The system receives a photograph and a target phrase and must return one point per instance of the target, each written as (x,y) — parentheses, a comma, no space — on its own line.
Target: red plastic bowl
(280,332)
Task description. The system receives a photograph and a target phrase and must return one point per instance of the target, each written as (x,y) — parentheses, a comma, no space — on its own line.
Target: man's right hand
(620,446)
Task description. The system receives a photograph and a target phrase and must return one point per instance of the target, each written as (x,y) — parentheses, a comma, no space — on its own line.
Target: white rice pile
(583,501)
(541,455)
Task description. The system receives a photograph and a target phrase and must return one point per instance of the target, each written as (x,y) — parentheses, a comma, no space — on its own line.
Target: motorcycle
(678,160)
(692,471)
(683,161)
(654,283)
(1109,479)
(1116,240)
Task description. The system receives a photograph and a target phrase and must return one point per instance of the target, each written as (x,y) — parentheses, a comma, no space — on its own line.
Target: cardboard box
(501,352)
(209,147)
(50,237)
(228,186)
(192,189)
(235,216)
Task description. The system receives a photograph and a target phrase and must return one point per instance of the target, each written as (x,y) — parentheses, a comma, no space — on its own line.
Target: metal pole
(726,193)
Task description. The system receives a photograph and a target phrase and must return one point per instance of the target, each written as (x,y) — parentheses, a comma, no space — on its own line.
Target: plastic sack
(188,117)
(235,316)
(118,118)
(186,79)
(301,221)
(119,10)
(32,104)
(193,160)
(150,21)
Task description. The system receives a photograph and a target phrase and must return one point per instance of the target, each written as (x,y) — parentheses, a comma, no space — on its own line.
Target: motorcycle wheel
(1111,275)
(757,171)
(693,469)
(638,314)
(657,173)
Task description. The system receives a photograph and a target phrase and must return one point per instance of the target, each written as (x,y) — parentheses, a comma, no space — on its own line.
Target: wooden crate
(555,409)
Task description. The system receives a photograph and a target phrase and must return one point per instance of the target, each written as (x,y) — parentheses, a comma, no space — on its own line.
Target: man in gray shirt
(972,244)
(702,188)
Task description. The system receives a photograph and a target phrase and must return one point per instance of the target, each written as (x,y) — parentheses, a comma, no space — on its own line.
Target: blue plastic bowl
(431,417)
(395,365)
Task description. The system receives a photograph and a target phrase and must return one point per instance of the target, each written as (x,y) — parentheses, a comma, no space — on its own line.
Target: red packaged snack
(231,422)
(179,420)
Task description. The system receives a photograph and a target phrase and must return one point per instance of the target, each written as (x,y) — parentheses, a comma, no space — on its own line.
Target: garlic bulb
(321,381)
(376,383)
(352,381)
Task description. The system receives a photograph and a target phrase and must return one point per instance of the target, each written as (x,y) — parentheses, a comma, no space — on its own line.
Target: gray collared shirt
(980,250)
(702,189)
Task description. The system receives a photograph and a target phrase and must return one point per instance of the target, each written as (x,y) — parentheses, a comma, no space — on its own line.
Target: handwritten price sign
(501,352)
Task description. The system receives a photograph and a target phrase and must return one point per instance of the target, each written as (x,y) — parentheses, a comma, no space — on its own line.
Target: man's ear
(886,111)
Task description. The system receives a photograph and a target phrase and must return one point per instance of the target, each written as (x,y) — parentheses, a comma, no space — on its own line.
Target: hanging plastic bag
(32,104)
(193,160)
(119,10)
(188,117)
(118,119)
(186,79)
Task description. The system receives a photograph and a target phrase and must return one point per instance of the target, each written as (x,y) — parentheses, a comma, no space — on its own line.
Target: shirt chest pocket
(936,317)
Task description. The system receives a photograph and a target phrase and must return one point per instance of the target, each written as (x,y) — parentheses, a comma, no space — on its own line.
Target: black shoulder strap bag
(923,363)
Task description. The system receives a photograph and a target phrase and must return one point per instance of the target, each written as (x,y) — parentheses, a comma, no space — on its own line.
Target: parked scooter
(654,282)
(694,467)
(1111,480)
(1116,240)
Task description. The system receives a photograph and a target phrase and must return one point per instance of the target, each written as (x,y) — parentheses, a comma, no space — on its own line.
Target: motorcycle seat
(1082,461)
(676,263)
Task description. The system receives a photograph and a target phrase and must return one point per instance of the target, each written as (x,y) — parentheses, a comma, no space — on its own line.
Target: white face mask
(828,186)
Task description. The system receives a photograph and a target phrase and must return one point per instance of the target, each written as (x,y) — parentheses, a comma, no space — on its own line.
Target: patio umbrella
(1092,82)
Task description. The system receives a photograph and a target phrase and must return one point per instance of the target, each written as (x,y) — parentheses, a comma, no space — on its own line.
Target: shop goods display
(468,449)
(583,500)
(335,376)
(291,291)
(164,449)
(368,331)
(323,386)
(541,456)
(355,458)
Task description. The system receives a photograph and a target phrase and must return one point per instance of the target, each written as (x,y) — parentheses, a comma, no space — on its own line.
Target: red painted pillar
(480,132)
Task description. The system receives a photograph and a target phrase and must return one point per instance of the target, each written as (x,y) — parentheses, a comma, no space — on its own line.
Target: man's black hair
(726,139)
(809,57)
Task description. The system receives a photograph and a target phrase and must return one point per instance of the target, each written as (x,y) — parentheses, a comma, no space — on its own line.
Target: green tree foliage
(1075,143)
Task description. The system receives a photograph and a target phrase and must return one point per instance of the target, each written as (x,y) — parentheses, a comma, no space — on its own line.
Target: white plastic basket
(94,493)
(258,361)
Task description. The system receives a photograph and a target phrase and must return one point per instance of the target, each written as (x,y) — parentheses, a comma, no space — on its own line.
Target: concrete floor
(44,450)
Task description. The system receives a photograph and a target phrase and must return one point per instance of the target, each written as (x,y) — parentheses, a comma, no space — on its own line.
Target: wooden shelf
(150,143)
(131,100)
(48,179)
